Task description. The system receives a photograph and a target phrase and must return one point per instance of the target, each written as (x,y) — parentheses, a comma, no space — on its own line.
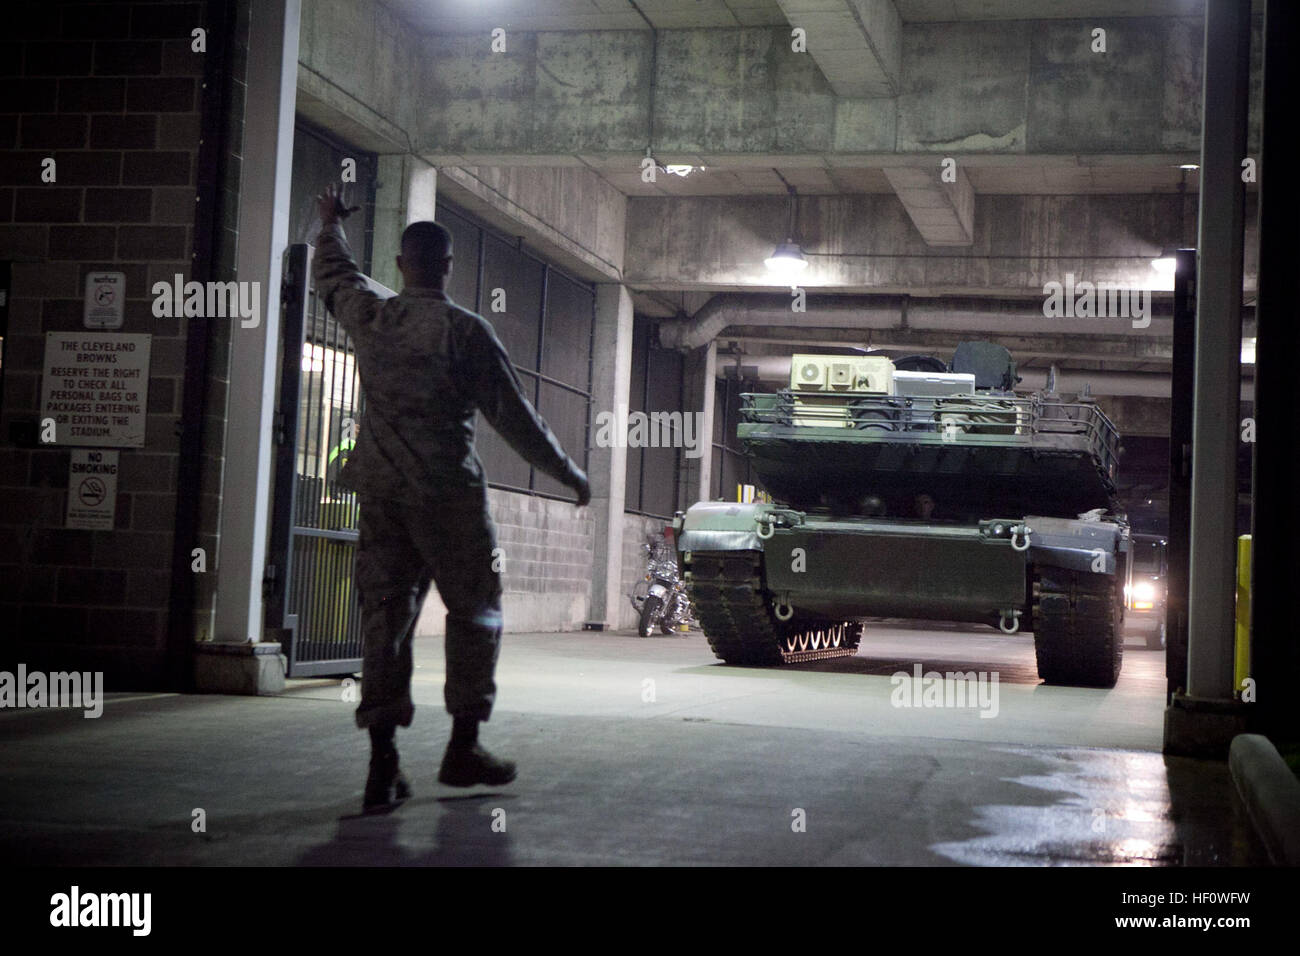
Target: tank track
(1078,639)
(726,588)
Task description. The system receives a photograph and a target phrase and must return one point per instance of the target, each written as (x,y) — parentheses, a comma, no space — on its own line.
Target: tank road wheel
(1077,633)
(736,614)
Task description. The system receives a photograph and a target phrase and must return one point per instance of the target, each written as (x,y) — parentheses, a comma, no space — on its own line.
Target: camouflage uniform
(426,364)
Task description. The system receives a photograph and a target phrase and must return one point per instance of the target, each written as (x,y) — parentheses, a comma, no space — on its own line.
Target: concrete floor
(641,751)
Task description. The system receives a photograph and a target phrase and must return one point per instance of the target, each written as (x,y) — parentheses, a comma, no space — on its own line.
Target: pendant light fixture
(787,258)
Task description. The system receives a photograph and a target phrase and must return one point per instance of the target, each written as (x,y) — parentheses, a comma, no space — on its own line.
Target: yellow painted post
(1241,659)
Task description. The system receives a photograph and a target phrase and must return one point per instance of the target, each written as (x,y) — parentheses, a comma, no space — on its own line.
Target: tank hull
(1053,576)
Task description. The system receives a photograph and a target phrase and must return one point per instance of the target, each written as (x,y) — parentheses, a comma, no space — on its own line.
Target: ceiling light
(787,259)
(1189,166)
(1167,262)
(1248,350)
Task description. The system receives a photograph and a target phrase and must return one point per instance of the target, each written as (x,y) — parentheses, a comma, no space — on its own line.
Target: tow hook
(1018,530)
(777,518)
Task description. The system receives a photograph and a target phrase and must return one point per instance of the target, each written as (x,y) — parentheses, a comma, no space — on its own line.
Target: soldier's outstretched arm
(339,280)
(496,390)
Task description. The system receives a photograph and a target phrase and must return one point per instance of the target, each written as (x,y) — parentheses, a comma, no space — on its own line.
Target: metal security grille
(657,385)
(546,321)
(314,523)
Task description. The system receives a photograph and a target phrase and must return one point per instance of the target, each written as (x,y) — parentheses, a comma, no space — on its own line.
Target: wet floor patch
(1112,808)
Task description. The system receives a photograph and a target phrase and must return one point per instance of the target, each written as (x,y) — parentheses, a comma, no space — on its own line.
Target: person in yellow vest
(338,457)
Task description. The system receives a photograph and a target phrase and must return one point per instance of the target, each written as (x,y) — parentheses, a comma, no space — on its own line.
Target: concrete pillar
(247,476)
(1203,722)
(406,192)
(611,381)
(1275,653)
(708,383)
(421,190)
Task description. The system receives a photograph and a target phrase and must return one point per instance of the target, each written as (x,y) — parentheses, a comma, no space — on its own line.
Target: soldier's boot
(386,784)
(466,763)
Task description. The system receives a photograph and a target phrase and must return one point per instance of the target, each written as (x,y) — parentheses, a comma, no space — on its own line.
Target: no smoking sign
(92,489)
(105,300)
(91,492)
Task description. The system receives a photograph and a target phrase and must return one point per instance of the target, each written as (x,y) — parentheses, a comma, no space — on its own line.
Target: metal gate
(310,596)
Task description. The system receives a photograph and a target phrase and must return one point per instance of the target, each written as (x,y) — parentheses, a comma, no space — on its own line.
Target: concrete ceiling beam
(991,89)
(940,201)
(887,313)
(857,44)
(869,243)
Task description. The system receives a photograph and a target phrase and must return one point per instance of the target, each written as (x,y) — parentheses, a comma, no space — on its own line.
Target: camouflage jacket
(426,365)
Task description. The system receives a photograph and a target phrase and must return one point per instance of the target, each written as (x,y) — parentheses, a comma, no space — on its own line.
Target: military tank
(918,489)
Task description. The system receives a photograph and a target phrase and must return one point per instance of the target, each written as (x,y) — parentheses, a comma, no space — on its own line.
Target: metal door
(309,576)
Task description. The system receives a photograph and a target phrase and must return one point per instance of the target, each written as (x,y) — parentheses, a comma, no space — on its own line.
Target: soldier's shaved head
(426,240)
(426,255)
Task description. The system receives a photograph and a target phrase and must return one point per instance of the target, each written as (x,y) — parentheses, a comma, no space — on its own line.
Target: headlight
(1144,592)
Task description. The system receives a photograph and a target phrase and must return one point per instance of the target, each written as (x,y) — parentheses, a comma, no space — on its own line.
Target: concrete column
(421,190)
(1275,653)
(709,378)
(247,477)
(1201,723)
(406,193)
(611,381)
(1218,351)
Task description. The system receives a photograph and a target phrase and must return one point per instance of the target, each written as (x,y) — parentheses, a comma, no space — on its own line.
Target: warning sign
(92,490)
(105,300)
(96,388)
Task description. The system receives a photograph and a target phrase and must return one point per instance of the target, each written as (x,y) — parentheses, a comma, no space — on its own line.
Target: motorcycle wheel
(668,623)
(649,611)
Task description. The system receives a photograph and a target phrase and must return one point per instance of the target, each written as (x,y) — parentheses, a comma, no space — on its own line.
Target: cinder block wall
(548,547)
(111,93)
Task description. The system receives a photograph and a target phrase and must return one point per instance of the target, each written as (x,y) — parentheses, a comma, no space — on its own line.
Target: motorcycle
(660,599)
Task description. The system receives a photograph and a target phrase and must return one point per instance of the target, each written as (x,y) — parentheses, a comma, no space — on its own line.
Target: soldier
(426,365)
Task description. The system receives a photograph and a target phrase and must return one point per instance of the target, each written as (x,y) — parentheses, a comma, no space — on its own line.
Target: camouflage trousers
(405,546)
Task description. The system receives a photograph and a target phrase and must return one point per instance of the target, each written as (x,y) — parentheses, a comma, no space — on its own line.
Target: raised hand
(331,206)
